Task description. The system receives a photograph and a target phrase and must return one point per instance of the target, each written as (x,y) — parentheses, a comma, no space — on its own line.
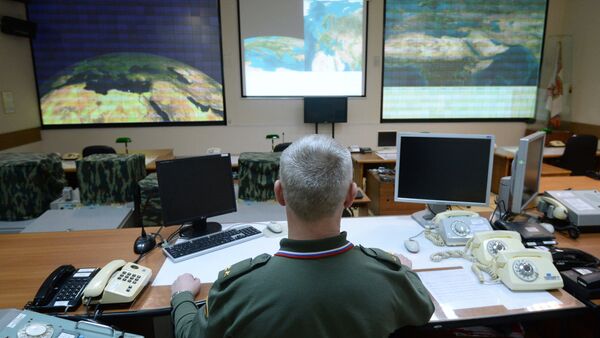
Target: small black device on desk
(584,283)
(62,289)
(532,233)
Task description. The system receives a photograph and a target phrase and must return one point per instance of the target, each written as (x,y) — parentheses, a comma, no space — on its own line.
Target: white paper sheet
(150,159)
(387,233)
(207,267)
(386,156)
(460,289)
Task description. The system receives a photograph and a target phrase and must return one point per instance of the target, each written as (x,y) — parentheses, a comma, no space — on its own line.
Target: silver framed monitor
(442,170)
(526,171)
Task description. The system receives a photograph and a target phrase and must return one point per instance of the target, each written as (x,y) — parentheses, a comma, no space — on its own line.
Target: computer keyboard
(209,243)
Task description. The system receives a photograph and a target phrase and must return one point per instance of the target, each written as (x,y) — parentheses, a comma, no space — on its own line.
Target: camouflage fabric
(150,206)
(110,178)
(257,175)
(28,183)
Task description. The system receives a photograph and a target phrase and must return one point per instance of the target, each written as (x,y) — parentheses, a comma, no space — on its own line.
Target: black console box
(572,279)
(532,233)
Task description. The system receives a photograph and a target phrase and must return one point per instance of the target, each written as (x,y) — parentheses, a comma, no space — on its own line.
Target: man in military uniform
(318,284)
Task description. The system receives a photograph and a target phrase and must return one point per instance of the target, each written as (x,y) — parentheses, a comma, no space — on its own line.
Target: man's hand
(403,260)
(186,282)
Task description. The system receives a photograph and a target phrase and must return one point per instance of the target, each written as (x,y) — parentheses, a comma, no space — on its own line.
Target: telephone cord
(440,256)
(478,268)
(434,237)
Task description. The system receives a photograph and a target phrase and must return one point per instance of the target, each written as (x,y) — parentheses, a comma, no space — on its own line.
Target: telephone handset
(552,208)
(117,282)
(62,289)
(456,227)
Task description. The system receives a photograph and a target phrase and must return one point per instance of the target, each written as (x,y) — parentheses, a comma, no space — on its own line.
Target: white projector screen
(461,60)
(302,47)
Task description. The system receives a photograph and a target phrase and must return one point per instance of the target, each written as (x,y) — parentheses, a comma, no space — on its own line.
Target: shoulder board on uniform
(241,268)
(383,256)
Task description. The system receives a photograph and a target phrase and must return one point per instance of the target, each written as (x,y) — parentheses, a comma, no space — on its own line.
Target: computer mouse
(274,227)
(411,245)
(548,227)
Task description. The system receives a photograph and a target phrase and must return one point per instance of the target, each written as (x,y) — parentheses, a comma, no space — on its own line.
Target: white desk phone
(501,254)
(117,282)
(551,208)
(456,227)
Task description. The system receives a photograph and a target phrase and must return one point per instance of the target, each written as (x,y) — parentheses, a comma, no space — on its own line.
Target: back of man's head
(315,172)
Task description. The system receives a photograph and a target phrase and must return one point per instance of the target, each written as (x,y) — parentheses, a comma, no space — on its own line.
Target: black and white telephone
(117,282)
(503,257)
(456,227)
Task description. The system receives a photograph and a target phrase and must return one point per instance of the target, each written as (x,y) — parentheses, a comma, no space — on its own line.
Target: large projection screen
(293,48)
(461,60)
(128,62)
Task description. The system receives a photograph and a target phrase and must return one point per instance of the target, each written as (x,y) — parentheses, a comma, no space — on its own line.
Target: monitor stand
(425,216)
(199,228)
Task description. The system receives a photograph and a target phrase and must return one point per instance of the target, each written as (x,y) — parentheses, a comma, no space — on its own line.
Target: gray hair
(315,172)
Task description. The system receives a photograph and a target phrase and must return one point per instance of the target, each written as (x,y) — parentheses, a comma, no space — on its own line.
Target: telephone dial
(456,227)
(117,282)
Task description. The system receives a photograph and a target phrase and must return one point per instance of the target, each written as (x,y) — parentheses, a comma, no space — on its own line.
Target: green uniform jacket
(319,288)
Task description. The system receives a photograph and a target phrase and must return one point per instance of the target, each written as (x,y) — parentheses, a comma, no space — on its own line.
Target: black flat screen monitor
(325,109)
(386,139)
(526,171)
(443,169)
(195,188)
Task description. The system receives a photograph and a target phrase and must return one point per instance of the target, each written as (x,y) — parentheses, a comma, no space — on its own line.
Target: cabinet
(381,194)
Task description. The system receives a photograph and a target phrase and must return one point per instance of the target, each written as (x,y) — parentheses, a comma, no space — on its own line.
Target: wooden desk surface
(369,158)
(29,258)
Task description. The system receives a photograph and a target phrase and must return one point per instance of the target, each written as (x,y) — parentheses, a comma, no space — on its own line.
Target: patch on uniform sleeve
(243,267)
(383,256)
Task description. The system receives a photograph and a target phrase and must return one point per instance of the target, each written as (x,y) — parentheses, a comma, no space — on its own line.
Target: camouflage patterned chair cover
(150,201)
(28,183)
(110,178)
(257,175)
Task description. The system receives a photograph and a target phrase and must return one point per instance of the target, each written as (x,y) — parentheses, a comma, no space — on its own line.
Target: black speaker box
(18,27)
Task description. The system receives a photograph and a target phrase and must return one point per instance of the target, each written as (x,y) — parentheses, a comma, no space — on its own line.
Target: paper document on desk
(459,289)
(207,267)
(386,155)
(150,159)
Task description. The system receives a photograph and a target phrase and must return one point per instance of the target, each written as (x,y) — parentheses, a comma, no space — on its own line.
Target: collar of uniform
(313,249)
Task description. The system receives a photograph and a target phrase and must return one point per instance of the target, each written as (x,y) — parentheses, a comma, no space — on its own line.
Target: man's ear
(352,190)
(278,188)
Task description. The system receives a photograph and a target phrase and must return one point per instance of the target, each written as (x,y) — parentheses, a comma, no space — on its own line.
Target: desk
(503,157)
(152,155)
(362,162)
(33,256)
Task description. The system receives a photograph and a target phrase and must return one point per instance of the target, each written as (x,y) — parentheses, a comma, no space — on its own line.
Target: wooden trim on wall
(583,128)
(19,138)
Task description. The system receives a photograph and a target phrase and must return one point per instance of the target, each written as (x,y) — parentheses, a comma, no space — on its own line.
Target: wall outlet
(8,102)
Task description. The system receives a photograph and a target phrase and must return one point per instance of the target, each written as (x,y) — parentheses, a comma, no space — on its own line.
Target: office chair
(90,150)
(579,155)
(281,147)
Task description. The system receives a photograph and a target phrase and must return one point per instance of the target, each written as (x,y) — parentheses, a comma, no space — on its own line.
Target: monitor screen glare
(195,188)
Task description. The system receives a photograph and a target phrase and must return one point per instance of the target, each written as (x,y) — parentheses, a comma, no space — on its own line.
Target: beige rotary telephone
(456,227)
(501,254)
(117,282)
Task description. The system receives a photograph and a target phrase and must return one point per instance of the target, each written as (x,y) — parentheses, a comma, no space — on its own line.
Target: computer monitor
(442,170)
(526,171)
(195,188)
(386,139)
(325,109)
